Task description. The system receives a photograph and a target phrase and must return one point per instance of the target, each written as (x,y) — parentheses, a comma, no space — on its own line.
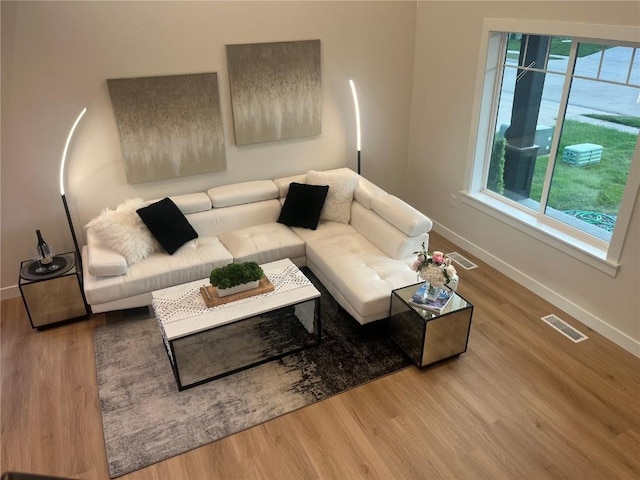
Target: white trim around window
(601,255)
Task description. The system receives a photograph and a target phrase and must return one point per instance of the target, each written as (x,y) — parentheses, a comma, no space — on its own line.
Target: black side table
(53,295)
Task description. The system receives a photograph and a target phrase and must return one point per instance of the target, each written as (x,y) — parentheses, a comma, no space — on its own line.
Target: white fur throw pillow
(123,231)
(337,206)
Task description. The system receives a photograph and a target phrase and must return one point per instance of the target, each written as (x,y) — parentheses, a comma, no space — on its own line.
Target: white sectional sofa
(359,260)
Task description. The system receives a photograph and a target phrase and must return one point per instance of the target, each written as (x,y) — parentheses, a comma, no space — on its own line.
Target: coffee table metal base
(211,354)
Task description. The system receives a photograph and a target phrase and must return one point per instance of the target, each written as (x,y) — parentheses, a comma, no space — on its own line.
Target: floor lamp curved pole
(62,192)
(357,108)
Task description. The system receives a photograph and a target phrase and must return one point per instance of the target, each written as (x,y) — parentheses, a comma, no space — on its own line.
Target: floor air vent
(462,261)
(564,328)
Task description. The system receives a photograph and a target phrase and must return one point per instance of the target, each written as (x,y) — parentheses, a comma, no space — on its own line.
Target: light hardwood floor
(523,402)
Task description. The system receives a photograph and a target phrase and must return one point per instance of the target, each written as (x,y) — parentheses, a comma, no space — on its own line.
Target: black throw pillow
(168,224)
(303,205)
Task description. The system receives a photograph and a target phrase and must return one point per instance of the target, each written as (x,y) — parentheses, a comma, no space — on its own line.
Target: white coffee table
(207,343)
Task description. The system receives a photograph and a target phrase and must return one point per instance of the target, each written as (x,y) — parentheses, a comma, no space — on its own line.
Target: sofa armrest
(401,215)
(102,261)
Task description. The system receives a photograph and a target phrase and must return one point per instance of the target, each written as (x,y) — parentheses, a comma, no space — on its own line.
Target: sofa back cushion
(401,215)
(241,193)
(366,192)
(191,202)
(284,182)
(227,219)
(385,236)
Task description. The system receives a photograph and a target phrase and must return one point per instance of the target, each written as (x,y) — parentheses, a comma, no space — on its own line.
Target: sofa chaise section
(360,268)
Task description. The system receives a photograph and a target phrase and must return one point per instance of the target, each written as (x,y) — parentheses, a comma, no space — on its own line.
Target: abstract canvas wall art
(170,126)
(275,90)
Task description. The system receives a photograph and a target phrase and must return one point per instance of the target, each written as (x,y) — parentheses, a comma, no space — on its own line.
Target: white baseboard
(9,292)
(603,328)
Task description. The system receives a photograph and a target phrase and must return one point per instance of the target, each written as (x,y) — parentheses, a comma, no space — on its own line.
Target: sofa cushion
(324,230)
(401,215)
(241,193)
(342,183)
(303,205)
(121,230)
(167,224)
(263,243)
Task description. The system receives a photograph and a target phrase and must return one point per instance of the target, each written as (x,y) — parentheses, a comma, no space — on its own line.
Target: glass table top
(455,303)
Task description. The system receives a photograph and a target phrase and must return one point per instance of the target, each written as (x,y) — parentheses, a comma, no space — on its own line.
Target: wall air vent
(564,328)
(462,261)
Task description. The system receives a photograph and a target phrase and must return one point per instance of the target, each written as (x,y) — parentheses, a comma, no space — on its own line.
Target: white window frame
(601,255)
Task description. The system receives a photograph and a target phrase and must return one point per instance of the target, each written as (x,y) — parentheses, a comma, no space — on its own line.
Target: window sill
(584,251)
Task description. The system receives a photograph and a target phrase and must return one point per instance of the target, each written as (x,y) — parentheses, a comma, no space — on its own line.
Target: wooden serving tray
(211,298)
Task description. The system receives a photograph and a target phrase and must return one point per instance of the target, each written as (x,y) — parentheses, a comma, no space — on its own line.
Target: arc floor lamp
(62,192)
(357,108)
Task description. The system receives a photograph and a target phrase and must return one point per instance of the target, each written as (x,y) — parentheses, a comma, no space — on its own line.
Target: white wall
(57,56)
(447,56)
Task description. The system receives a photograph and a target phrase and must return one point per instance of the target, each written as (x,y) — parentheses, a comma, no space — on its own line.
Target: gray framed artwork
(275,90)
(170,126)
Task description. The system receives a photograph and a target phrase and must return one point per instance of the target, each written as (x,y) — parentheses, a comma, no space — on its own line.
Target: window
(557,133)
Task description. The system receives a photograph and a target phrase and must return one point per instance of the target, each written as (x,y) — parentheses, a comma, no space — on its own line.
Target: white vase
(243,287)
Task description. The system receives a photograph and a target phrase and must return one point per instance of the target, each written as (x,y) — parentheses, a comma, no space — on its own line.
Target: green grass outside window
(598,187)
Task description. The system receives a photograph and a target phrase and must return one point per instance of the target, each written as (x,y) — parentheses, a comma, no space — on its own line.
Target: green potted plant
(236,277)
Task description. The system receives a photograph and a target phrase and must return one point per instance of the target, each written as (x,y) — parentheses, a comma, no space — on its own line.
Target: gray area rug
(146,419)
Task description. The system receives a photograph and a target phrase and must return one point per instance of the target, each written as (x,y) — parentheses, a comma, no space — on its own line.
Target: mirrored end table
(426,336)
(53,294)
